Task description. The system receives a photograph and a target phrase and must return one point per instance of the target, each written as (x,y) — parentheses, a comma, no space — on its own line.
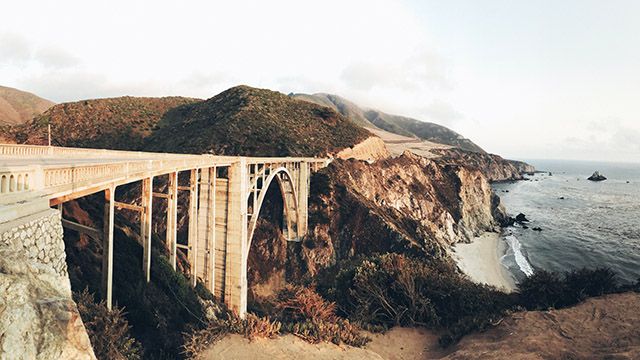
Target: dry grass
(297,303)
(107,330)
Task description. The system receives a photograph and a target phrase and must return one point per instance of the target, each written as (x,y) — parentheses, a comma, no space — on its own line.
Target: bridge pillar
(145,226)
(107,246)
(193,225)
(172,218)
(303,199)
(205,269)
(235,292)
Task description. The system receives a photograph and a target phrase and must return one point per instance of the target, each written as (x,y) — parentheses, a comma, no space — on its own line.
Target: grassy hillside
(423,130)
(392,123)
(259,122)
(116,123)
(17,107)
(339,104)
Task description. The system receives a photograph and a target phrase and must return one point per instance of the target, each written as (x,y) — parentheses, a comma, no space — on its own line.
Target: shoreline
(480,260)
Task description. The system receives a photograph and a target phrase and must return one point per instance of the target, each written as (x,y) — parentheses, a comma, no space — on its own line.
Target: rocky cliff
(494,167)
(405,204)
(38,318)
(371,149)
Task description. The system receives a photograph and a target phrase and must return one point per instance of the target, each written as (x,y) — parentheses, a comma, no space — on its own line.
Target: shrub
(544,289)
(394,289)
(255,326)
(340,331)
(298,303)
(108,330)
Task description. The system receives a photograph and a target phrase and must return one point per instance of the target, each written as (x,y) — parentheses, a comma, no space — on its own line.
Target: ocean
(584,223)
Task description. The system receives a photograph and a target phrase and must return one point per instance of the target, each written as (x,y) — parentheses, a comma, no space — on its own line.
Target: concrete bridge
(225,198)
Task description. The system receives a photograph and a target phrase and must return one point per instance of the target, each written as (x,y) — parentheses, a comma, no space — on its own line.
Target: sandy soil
(607,327)
(480,260)
(395,344)
(397,144)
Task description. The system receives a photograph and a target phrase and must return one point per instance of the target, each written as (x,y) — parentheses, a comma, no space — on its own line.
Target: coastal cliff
(405,204)
(494,167)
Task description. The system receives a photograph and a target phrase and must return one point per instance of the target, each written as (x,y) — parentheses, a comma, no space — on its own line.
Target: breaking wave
(520,259)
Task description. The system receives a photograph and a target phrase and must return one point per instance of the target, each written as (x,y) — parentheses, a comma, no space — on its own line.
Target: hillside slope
(114,123)
(399,125)
(255,122)
(421,129)
(17,107)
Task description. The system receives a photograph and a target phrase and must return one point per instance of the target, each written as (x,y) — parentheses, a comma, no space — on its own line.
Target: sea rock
(521,218)
(537,229)
(596,176)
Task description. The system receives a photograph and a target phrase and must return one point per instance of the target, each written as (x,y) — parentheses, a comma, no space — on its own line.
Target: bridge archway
(289,194)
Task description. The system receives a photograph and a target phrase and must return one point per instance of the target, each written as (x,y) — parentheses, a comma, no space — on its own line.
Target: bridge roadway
(222,210)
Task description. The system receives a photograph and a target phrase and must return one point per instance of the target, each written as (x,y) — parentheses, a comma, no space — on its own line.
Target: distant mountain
(18,107)
(392,123)
(115,123)
(258,122)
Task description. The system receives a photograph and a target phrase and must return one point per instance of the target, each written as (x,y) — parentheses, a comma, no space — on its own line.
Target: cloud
(605,139)
(426,70)
(441,112)
(14,49)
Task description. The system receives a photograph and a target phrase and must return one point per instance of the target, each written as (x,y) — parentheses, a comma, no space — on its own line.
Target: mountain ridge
(18,106)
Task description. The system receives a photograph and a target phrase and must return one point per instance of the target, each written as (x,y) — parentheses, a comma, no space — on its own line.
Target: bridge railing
(53,151)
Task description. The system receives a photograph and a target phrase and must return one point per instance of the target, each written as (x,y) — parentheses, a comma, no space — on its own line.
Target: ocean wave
(521,260)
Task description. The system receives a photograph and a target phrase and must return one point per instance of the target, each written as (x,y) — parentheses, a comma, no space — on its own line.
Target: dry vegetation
(117,123)
(256,122)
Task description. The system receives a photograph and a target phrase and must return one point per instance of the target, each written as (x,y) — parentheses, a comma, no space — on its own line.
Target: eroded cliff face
(409,204)
(494,167)
(371,149)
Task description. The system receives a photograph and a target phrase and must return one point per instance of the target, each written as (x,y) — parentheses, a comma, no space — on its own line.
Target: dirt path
(396,344)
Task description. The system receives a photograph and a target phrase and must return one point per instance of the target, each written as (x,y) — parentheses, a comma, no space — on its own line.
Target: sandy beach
(480,260)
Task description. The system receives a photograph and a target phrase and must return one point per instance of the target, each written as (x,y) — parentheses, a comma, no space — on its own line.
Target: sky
(523,79)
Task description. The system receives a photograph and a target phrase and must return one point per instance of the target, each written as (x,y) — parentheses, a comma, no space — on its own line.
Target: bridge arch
(288,191)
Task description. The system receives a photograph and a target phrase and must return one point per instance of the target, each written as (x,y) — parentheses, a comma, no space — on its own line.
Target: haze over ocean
(597,224)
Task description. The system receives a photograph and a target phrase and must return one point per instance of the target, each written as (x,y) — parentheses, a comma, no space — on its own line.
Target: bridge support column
(303,199)
(107,246)
(235,292)
(145,226)
(172,218)
(193,226)
(206,227)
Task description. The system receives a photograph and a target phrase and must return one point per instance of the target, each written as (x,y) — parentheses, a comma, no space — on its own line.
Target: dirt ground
(601,328)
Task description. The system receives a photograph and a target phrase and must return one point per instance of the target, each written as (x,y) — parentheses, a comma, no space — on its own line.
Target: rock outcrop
(596,176)
(38,318)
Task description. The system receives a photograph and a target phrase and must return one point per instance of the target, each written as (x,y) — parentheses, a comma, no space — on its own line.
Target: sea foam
(521,260)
